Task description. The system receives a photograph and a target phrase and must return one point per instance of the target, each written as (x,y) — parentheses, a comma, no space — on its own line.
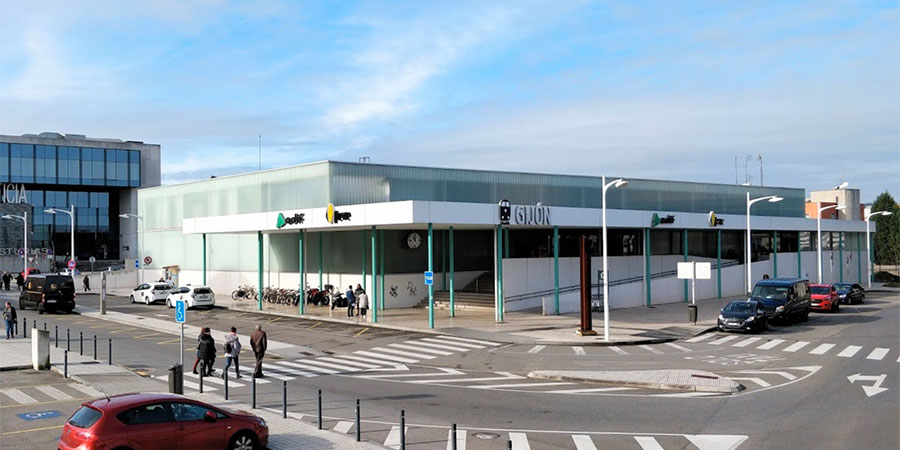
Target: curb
(11,368)
(640,384)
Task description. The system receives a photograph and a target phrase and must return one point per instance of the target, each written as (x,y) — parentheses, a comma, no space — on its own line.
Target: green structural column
(302,272)
(719,262)
(363,259)
(204,259)
(452,299)
(381,268)
(444,260)
(775,255)
(259,242)
(374,296)
(841,254)
(321,252)
(684,244)
(430,269)
(506,242)
(858,258)
(799,258)
(647,300)
(556,267)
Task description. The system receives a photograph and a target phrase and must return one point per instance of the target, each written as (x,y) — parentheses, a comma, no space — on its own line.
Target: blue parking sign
(429,278)
(38,415)
(179,311)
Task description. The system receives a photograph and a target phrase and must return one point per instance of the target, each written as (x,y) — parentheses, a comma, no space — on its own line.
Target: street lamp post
(770,199)
(819,234)
(141,246)
(615,183)
(25,233)
(869,245)
(71,216)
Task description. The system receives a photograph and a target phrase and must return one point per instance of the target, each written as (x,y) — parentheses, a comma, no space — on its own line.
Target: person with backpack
(363,302)
(351,301)
(232,351)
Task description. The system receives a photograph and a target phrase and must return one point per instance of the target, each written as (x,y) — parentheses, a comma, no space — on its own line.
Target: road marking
(472,341)
(716,441)
(457,380)
(537,348)
(170,341)
(440,346)
(148,335)
(31,405)
(393,438)
(849,351)
(795,346)
(758,381)
(215,380)
(403,353)
(30,430)
(723,340)
(618,350)
(343,361)
(771,344)
(18,396)
(873,389)
(688,394)
(587,391)
(383,356)
(583,442)
(684,349)
(519,441)
(579,350)
(343,427)
(443,373)
(460,439)
(461,344)
(822,349)
(648,443)
(316,324)
(650,349)
(342,367)
(746,342)
(787,375)
(361,332)
(878,354)
(699,338)
(497,386)
(307,370)
(86,390)
(379,362)
(274,320)
(54,393)
(420,349)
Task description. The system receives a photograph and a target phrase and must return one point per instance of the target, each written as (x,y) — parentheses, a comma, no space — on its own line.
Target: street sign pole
(181,317)
(182,344)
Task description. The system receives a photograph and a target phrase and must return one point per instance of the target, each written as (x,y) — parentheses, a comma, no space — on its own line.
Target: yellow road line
(106,325)
(47,402)
(317,324)
(361,332)
(121,331)
(274,320)
(170,341)
(32,429)
(145,336)
(238,315)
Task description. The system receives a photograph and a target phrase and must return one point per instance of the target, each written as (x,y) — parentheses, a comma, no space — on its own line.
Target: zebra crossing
(822,349)
(32,395)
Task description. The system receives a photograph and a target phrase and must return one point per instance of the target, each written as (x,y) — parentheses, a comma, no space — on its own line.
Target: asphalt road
(798,393)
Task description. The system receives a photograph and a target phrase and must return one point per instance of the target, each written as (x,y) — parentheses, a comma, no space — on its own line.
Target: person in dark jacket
(9,316)
(206,351)
(6,279)
(351,301)
(20,281)
(259,343)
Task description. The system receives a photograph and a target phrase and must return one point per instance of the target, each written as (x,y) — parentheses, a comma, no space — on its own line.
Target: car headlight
(779,309)
(262,422)
(843,296)
(721,317)
(751,318)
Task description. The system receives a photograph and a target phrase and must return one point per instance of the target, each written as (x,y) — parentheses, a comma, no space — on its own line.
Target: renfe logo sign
(334,216)
(10,193)
(523,214)
(296,219)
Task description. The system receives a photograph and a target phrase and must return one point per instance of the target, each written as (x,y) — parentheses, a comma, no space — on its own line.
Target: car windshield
(768,291)
(85,417)
(843,287)
(820,289)
(742,307)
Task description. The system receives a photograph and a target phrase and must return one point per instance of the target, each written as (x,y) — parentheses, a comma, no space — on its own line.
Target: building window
(4,162)
(807,241)
(45,164)
(69,165)
(121,167)
(733,245)
(787,241)
(134,179)
(666,242)
(21,163)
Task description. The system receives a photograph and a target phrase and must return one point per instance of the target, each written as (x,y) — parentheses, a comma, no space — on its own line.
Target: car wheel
(242,441)
(805,316)
(146,300)
(168,304)
(40,308)
(132,299)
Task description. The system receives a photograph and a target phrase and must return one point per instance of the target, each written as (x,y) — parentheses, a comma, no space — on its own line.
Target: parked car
(785,299)
(824,297)
(30,271)
(48,293)
(193,295)
(158,422)
(72,272)
(850,293)
(148,293)
(743,315)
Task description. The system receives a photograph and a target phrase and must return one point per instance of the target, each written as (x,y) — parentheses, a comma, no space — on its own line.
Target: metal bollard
(225,377)
(34,324)
(358,431)
(453,438)
(95,347)
(320,409)
(80,343)
(110,351)
(284,399)
(509,444)
(65,364)
(68,340)
(253,393)
(402,430)
(24,327)
(202,372)
(45,326)
(55,335)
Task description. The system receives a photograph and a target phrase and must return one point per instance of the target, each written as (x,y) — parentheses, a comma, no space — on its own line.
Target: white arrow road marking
(822,349)
(771,344)
(849,351)
(873,389)
(398,367)
(583,442)
(537,348)
(460,439)
(787,375)
(648,443)
(878,354)
(519,441)
(578,350)
(716,441)
(758,381)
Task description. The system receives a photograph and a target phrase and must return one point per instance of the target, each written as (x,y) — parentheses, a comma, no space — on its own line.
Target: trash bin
(692,313)
(176,379)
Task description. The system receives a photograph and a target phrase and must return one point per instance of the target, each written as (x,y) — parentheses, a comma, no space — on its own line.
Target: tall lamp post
(770,199)
(71,216)
(141,246)
(869,245)
(25,233)
(615,183)
(819,234)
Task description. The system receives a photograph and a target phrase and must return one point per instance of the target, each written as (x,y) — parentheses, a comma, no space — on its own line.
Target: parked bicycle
(244,292)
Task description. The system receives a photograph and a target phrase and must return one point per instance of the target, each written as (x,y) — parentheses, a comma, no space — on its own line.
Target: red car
(824,297)
(158,422)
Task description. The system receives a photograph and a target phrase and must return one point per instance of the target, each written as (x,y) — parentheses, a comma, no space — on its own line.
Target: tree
(886,242)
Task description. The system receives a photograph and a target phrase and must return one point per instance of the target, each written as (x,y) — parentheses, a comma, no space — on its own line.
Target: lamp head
(842,185)
(6,216)
(841,208)
(50,211)
(124,216)
(886,213)
(775,199)
(621,183)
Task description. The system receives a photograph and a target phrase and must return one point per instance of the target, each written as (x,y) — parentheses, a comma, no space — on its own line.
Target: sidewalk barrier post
(358,431)
(45,326)
(509,444)
(320,409)
(402,429)
(253,393)
(34,324)
(202,372)
(284,399)
(68,340)
(56,335)
(80,343)
(453,438)
(65,364)
(225,377)
(110,351)
(95,347)
(24,327)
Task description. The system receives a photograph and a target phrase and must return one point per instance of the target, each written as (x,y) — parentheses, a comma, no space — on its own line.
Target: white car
(193,295)
(148,293)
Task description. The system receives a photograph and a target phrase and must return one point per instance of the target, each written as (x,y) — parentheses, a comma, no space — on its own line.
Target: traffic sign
(148,260)
(137,264)
(92,260)
(71,264)
(180,311)
(429,278)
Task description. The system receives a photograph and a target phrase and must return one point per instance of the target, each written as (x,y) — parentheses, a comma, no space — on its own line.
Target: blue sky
(671,90)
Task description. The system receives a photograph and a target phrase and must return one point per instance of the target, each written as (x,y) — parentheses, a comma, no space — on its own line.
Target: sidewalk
(284,434)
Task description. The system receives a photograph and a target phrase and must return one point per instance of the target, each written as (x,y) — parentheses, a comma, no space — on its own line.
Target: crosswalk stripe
(383,356)
(461,344)
(849,351)
(460,439)
(421,349)
(822,349)
(771,344)
(340,367)
(379,362)
(650,349)
(537,348)
(439,346)
(470,380)
(579,350)
(196,386)
(404,353)
(746,342)
(343,427)
(214,380)
(618,350)
(676,346)
(352,363)
(795,346)
(583,442)
(304,370)
(393,438)
(54,393)
(519,441)
(723,340)
(700,338)
(276,373)
(91,392)
(587,391)
(471,341)
(878,354)
(758,381)
(19,396)
(787,375)
(648,443)
(497,386)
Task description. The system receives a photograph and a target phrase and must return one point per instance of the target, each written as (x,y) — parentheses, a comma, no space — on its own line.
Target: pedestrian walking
(197,361)
(6,279)
(363,302)
(9,317)
(232,351)
(359,290)
(351,301)
(20,281)
(87,284)
(258,343)
(206,350)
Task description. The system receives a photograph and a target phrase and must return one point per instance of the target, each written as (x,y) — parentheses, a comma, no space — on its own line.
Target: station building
(383,226)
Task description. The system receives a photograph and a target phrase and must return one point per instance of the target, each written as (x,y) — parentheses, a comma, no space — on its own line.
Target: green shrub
(886,277)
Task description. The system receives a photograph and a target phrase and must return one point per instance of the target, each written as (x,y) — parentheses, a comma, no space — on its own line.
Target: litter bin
(176,379)
(692,313)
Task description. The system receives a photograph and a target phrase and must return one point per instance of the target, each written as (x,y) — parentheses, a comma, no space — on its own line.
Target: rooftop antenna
(759,158)
(747,178)
(364,159)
